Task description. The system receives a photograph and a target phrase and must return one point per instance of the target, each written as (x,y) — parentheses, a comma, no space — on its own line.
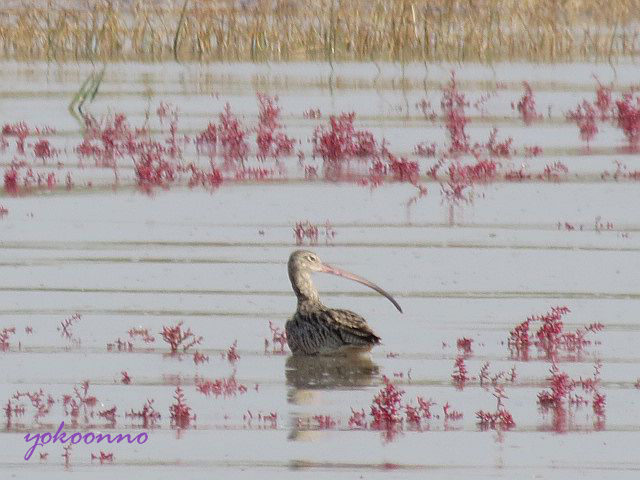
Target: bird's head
(304,261)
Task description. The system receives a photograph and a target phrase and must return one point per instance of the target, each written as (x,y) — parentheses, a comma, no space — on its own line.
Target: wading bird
(316,329)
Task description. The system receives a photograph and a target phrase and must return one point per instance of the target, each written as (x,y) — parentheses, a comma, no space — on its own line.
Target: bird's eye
(310,258)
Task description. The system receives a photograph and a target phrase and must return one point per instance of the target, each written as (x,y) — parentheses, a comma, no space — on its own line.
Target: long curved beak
(342,273)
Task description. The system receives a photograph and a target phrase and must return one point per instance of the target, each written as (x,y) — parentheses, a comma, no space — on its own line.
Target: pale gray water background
(123,259)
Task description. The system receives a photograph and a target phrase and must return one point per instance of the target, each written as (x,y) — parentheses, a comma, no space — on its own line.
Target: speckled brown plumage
(317,329)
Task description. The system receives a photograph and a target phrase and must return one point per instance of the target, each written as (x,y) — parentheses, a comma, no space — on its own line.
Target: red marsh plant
(560,399)
(125,378)
(451,414)
(271,139)
(550,337)
(143,333)
(627,118)
(5,338)
(19,179)
(177,338)
(43,150)
(120,346)
(312,113)
(210,179)
(19,130)
(109,414)
(4,211)
(500,419)
(199,358)
(226,387)
(65,328)
(102,457)
(585,117)
(40,401)
(147,414)
(340,141)
(307,231)
(526,106)
(67,454)
(459,375)
(232,136)
(79,401)
(231,354)
(465,345)
(278,339)
(181,414)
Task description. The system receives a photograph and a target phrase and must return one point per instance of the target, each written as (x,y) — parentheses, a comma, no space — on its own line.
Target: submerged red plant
(271,140)
(550,337)
(40,401)
(227,387)
(65,328)
(340,140)
(181,414)
(103,457)
(628,118)
(5,336)
(232,353)
(459,374)
(386,407)
(177,338)
(147,414)
(79,401)
(278,338)
(232,136)
(526,106)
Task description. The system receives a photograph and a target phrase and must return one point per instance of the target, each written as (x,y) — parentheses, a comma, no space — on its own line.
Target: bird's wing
(352,327)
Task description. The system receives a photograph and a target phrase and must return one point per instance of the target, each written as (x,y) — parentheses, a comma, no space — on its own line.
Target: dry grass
(327,30)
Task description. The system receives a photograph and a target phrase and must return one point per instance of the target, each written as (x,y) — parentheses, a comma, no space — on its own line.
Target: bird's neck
(303,287)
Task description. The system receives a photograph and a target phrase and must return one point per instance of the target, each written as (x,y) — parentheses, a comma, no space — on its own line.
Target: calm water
(216,261)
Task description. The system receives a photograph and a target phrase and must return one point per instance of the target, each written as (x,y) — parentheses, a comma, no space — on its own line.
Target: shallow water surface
(216,261)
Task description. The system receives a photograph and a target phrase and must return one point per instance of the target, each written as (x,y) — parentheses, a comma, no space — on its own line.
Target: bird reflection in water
(311,378)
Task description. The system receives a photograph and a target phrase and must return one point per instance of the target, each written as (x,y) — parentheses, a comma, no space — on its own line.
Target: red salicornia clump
(550,337)
(559,398)
(231,354)
(340,140)
(103,457)
(153,168)
(19,130)
(40,401)
(143,333)
(278,338)
(232,136)
(226,387)
(585,116)
(526,106)
(65,328)
(271,140)
(465,345)
(453,106)
(501,419)
(305,230)
(628,118)
(109,414)
(459,375)
(147,414)
(5,336)
(177,338)
(450,414)
(181,415)
(386,407)
(199,357)
(79,401)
